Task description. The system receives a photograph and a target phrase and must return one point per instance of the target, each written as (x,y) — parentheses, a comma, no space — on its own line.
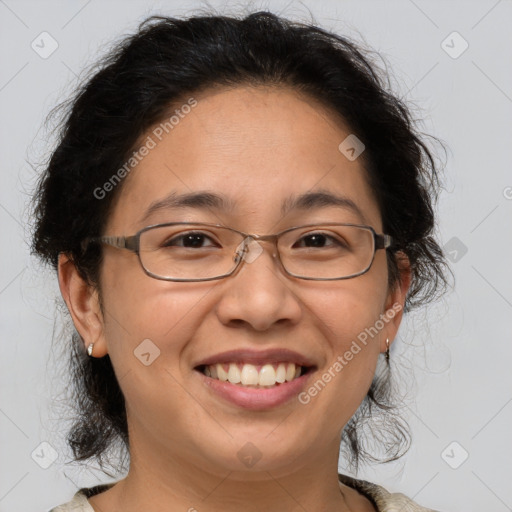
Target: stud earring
(89,349)
(387,350)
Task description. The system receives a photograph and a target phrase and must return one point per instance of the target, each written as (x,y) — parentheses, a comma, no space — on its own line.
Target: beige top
(383,500)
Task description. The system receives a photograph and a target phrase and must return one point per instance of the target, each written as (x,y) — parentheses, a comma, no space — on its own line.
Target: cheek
(350,317)
(349,309)
(353,326)
(342,383)
(137,307)
(148,324)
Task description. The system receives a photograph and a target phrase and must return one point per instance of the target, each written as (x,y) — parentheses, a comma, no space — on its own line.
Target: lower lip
(254,398)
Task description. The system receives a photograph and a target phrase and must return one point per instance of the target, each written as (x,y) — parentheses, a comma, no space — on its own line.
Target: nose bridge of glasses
(250,248)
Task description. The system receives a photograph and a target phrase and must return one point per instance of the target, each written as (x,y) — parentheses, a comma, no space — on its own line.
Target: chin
(248,454)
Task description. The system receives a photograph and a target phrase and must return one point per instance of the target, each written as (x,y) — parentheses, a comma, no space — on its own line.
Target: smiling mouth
(255,376)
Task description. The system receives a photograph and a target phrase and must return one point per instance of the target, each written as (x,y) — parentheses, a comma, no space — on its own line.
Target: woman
(239,213)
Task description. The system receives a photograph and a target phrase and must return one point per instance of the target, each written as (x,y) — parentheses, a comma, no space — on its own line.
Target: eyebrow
(205,200)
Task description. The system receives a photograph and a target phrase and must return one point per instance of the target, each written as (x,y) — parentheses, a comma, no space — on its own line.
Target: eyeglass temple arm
(121,242)
(383,241)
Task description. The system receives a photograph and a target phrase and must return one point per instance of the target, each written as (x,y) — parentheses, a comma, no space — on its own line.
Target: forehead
(260,149)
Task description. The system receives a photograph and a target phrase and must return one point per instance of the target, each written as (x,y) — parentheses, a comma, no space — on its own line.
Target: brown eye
(321,240)
(187,240)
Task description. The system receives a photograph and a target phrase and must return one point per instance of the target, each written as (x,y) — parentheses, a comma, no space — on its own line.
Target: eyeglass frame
(132,243)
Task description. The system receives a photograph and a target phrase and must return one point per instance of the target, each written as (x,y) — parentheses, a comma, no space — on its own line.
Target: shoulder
(383,500)
(80,502)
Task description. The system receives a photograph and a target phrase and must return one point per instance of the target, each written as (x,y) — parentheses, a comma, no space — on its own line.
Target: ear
(395,301)
(83,305)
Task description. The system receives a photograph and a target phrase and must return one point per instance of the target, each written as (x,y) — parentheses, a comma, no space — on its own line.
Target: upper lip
(258,357)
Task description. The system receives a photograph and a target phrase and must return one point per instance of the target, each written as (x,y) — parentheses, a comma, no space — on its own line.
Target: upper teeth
(248,374)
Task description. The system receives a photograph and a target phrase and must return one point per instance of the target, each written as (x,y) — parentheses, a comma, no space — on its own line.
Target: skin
(258,146)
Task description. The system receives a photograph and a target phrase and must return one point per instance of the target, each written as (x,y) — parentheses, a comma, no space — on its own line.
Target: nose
(259,293)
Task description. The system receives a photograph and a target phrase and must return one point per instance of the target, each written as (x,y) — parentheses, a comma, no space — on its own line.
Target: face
(257,147)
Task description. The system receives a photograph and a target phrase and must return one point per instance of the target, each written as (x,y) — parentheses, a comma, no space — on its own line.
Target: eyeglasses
(186,251)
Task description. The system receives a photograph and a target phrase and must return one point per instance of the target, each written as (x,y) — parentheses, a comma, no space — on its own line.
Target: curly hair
(134,87)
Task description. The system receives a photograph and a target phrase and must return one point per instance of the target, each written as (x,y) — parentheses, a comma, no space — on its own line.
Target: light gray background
(458,351)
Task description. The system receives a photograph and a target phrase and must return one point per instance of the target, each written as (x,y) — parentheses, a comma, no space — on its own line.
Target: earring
(89,349)
(387,350)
